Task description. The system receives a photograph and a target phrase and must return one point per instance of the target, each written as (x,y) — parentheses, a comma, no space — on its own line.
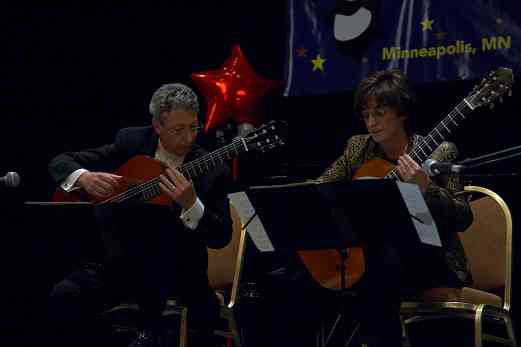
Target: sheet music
(420,214)
(255,228)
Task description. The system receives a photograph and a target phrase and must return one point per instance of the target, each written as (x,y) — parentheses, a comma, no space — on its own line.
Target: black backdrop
(71,76)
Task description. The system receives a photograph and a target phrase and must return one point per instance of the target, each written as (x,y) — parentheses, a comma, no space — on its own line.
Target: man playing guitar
(167,247)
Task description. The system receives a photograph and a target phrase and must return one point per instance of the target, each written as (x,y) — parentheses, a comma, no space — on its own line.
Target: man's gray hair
(171,97)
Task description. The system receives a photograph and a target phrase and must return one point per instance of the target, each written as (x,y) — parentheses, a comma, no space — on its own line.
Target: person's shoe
(146,339)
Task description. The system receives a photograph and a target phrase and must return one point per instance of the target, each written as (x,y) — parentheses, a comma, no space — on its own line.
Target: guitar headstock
(267,137)
(493,86)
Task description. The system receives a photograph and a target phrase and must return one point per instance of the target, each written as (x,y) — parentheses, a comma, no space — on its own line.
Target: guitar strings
(430,136)
(205,159)
(208,157)
(438,129)
(149,185)
(152,185)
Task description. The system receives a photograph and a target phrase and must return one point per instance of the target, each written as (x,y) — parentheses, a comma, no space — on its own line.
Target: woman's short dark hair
(390,88)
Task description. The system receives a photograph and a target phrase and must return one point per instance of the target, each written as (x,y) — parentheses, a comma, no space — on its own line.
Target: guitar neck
(422,150)
(210,160)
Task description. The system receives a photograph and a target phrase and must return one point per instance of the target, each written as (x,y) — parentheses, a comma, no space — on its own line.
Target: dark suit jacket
(158,233)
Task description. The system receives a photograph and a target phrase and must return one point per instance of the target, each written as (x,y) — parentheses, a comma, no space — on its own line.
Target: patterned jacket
(451,213)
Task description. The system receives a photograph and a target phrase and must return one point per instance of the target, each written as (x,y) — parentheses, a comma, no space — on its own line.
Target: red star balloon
(232,91)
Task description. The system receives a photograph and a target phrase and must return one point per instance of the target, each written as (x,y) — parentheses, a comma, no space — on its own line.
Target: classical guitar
(324,265)
(141,173)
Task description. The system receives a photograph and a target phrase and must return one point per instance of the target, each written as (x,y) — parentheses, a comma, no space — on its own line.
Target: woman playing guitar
(384,103)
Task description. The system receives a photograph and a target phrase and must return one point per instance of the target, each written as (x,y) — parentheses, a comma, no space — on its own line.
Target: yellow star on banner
(318,63)
(427,24)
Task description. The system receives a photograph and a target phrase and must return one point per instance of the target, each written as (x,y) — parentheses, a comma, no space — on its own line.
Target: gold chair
(488,245)
(224,274)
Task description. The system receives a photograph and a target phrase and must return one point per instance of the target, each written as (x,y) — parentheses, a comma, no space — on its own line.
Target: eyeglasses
(179,131)
(377,113)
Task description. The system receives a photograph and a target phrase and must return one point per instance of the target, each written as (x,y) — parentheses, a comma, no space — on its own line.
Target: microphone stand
(500,155)
(504,154)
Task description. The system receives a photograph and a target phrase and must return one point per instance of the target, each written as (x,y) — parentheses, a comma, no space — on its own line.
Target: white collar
(167,158)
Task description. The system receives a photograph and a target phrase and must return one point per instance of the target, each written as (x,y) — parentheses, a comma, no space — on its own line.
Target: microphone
(433,167)
(11,179)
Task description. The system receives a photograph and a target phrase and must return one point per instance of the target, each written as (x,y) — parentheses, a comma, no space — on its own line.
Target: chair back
(225,264)
(488,243)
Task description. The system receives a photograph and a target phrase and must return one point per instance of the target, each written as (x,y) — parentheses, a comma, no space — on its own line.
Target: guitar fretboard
(422,150)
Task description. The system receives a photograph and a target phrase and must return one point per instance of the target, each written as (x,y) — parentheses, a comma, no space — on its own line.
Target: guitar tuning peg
(510,92)
(491,106)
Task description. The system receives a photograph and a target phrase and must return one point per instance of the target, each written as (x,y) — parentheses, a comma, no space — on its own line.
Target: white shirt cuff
(193,215)
(69,184)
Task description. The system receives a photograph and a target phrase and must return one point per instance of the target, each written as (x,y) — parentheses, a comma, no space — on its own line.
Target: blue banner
(333,45)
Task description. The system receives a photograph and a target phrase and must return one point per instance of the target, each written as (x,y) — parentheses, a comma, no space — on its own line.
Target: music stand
(337,215)
(313,215)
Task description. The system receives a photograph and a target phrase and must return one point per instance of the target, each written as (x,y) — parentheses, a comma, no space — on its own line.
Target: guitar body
(376,168)
(325,265)
(137,170)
